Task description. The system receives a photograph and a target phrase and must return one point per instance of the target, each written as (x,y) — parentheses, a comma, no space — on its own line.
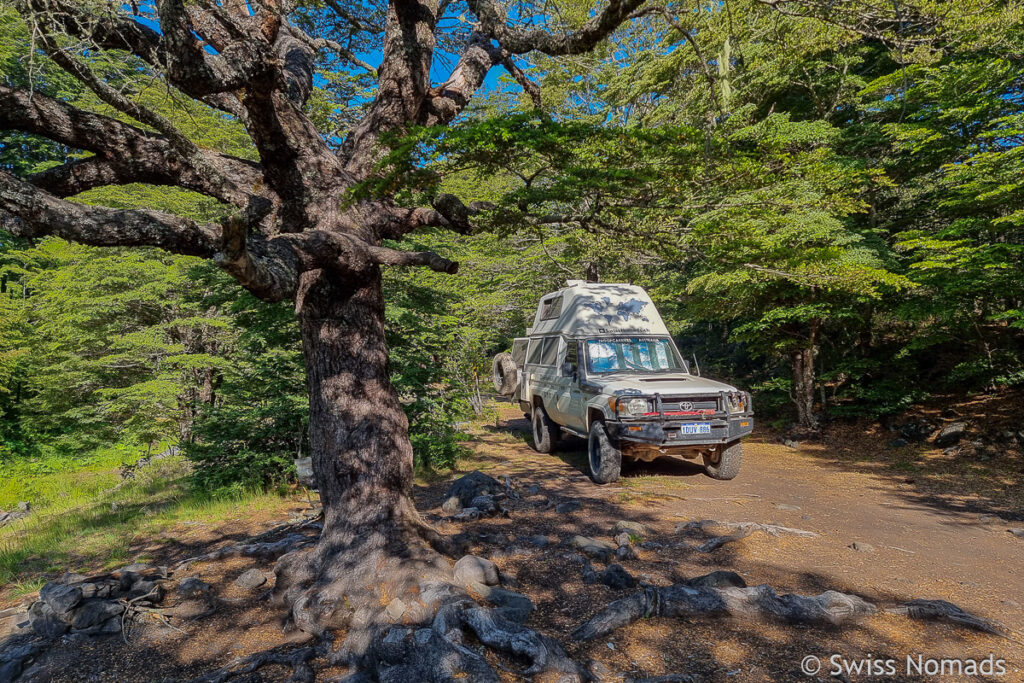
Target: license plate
(695,428)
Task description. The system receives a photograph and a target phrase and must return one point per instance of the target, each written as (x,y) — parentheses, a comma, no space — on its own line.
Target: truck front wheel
(603,457)
(545,432)
(724,463)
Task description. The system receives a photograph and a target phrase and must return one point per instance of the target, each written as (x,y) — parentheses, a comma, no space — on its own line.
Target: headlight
(737,401)
(635,406)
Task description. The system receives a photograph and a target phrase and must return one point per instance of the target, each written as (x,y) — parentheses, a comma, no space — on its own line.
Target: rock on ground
(45,622)
(473,569)
(718,579)
(464,489)
(192,587)
(94,612)
(60,598)
(615,576)
(599,550)
(626,526)
(951,434)
(251,579)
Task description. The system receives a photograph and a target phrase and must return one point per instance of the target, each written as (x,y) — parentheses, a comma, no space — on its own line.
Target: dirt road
(908,546)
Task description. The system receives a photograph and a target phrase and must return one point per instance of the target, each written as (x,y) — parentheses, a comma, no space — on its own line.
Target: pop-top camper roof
(583,309)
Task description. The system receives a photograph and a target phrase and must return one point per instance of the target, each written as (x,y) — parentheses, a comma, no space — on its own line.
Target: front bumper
(665,429)
(668,433)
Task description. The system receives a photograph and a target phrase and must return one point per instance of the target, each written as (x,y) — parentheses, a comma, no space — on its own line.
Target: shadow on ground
(714,650)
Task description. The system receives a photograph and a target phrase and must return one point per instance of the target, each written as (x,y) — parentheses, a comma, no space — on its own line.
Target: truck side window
(519,350)
(550,352)
(534,355)
(551,308)
(572,354)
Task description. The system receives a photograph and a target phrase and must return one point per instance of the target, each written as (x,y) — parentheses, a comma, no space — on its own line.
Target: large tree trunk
(359,434)
(802,361)
(374,546)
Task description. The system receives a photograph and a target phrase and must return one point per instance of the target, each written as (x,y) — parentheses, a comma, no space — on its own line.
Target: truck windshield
(636,354)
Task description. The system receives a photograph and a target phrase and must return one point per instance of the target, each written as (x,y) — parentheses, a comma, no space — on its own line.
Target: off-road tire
(545,432)
(604,459)
(505,374)
(725,464)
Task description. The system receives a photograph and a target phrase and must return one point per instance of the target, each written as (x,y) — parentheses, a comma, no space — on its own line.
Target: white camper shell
(599,363)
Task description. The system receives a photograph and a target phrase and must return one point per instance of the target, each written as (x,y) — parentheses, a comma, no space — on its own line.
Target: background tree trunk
(802,361)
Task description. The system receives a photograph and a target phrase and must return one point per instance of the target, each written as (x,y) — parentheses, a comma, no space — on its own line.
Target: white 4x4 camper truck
(599,363)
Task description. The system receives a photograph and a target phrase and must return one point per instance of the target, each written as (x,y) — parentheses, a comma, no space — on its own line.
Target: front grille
(689,405)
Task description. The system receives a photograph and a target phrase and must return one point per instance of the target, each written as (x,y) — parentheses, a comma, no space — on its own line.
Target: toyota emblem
(686,405)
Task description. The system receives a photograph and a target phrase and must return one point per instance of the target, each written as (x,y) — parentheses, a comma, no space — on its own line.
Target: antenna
(696,364)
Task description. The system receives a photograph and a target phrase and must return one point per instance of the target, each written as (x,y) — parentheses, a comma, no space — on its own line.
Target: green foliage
(249,436)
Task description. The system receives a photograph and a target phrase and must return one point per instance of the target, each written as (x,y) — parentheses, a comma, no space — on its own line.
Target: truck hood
(661,383)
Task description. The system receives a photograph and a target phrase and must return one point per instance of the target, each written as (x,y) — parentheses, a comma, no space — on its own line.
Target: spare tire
(505,374)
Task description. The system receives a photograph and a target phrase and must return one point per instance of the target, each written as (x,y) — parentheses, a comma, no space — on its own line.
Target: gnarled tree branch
(397,257)
(449,98)
(175,51)
(495,23)
(125,153)
(27,211)
(449,212)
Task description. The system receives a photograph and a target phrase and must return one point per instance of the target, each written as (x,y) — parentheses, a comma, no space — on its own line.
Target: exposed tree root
(679,600)
(940,610)
(298,660)
(545,654)
(406,619)
(438,653)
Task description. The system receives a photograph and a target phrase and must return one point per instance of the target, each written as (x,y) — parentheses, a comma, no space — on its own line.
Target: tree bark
(362,457)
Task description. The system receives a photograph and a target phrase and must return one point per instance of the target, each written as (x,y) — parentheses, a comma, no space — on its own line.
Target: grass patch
(78,523)
(60,480)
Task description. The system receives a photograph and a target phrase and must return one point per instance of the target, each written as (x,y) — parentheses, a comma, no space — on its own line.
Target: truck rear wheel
(505,374)
(603,457)
(545,432)
(724,463)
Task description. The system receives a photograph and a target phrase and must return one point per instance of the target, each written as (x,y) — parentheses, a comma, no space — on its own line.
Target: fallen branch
(742,530)
(831,607)
(130,610)
(940,610)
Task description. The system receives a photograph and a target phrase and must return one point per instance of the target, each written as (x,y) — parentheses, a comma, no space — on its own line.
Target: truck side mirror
(568,370)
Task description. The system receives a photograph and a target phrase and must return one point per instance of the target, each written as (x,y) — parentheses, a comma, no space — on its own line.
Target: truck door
(575,411)
(549,383)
